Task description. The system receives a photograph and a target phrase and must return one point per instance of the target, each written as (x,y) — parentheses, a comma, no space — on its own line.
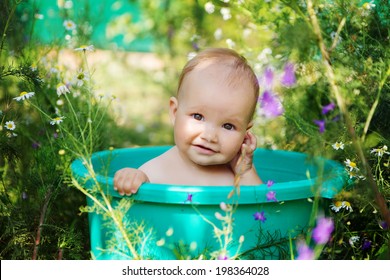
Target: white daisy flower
(62,89)
(369,5)
(338,146)
(24,95)
(57,120)
(346,205)
(351,165)
(85,48)
(69,25)
(10,125)
(80,78)
(380,151)
(336,206)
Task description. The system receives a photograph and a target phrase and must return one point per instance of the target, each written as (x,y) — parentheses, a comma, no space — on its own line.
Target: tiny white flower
(62,89)
(231,44)
(57,120)
(24,95)
(225,12)
(38,16)
(10,125)
(219,216)
(223,206)
(10,134)
(169,232)
(69,25)
(85,48)
(193,245)
(353,239)
(191,55)
(218,34)
(68,4)
(338,146)
(160,242)
(209,7)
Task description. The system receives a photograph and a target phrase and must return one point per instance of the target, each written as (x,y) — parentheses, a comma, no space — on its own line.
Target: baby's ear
(173,104)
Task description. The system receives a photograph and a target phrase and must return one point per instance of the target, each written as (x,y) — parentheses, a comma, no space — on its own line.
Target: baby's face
(211,116)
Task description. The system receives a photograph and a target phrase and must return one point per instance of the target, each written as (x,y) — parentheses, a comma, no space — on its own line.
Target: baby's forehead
(219,71)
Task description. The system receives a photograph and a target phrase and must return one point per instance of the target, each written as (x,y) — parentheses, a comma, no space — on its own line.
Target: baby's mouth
(205,149)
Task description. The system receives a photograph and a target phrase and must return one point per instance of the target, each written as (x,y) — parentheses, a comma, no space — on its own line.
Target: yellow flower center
(338,203)
(352,164)
(23,93)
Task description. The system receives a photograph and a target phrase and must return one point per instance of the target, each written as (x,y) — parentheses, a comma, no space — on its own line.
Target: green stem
(375,105)
(7,25)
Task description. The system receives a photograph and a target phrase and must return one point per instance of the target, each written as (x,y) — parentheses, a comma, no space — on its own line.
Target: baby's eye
(197,117)
(228,126)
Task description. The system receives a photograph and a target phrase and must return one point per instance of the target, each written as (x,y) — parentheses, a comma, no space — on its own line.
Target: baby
(211,116)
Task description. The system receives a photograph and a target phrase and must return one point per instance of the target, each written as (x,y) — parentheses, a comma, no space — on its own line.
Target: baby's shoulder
(158,168)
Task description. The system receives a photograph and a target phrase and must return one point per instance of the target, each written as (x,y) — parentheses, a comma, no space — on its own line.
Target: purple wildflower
(383,225)
(222,257)
(322,232)
(268,78)
(320,124)
(336,118)
(270,183)
(271,195)
(195,46)
(270,105)
(327,108)
(366,244)
(189,197)
(288,78)
(35,145)
(259,216)
(304,251)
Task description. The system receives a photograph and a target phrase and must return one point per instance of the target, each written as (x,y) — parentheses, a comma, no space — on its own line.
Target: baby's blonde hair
(241,71)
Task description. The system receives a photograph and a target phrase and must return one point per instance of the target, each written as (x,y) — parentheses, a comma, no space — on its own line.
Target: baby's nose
(209,133)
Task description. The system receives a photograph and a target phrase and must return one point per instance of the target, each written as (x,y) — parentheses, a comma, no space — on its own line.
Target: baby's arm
(243,163)
(128,180)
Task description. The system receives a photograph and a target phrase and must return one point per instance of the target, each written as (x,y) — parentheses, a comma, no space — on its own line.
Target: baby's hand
(244,159)
(128,180)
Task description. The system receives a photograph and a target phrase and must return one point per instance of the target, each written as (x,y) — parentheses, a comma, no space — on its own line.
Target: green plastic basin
(182,218)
